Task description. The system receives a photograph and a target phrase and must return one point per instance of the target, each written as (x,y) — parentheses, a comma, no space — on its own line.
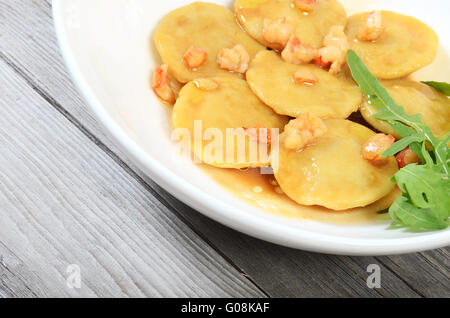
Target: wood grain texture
(283,272)
(63,201)
(28,44)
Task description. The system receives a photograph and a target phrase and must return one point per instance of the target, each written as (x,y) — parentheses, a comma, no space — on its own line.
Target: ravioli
(205,25)
(231,105)
(332,172)
(331,96)
(310,27)
(415,98)
(405,46)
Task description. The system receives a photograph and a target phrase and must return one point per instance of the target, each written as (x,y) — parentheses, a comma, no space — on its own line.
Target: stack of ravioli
(330,172)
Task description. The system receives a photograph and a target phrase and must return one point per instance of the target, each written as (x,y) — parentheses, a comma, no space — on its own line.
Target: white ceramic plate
(108,49)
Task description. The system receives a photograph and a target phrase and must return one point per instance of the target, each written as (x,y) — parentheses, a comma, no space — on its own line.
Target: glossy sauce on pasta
(262,191)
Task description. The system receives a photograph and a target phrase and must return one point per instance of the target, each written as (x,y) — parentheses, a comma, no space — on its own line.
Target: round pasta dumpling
(310,27)
(415,98)
(330,96)
(332,172)
(221,110)
(404,46)
(202,28)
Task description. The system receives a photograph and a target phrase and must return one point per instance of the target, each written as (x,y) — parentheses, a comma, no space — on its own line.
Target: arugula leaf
(425,202)
(407,215)
(395,115)
(440,86)
(426,189)
(400,145)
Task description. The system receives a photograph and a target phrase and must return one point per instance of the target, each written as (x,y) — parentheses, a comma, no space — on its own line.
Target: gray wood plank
(427,273)
(29,44)
(64,201)
(283,272)
(16,279)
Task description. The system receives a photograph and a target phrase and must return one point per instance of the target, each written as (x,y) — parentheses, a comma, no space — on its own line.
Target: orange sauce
(262,191)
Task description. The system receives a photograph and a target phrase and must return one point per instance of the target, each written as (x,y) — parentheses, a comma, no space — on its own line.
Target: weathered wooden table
(68,196)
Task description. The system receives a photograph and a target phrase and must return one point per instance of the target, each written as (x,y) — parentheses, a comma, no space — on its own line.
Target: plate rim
(219,211)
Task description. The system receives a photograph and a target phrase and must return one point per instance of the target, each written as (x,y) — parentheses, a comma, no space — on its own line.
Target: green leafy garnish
(425,201)
(440,86)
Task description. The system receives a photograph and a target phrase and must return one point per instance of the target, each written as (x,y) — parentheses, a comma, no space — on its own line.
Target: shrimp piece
(259,134)
(162,85)
(303,131)
(297,53)
(318,61)
(375,147)
(331,57)
(305,5)
(235,59)
(304,76)
(372,29)
(278,32)
(334,51)
(195,56)
(336,37)
(406,157)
